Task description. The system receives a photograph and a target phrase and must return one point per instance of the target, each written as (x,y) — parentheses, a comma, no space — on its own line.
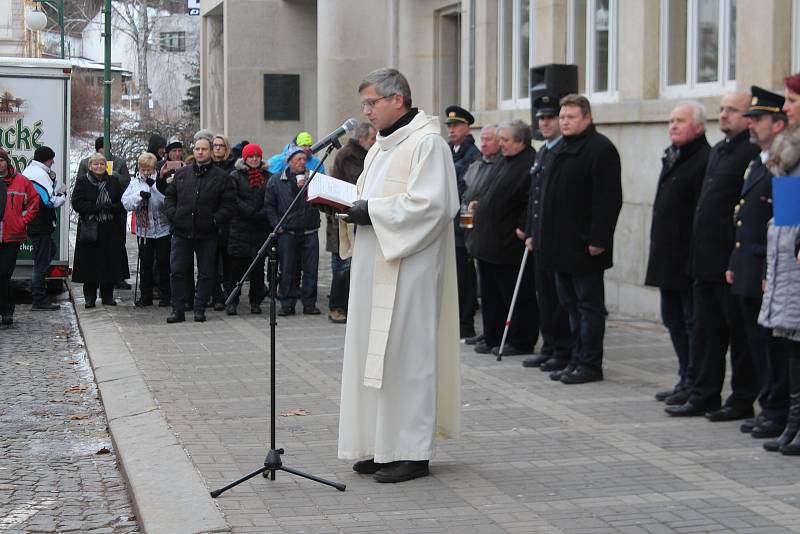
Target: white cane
(513,303)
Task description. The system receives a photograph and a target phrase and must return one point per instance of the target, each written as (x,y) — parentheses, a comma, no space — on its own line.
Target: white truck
(35,111)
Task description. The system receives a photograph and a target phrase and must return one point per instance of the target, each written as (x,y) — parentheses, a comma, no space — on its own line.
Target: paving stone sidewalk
(535,456)
(52,427)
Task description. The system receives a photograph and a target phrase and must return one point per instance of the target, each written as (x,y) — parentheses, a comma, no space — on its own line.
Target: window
(698,46)
(592,44)
(515,50)
(172,41)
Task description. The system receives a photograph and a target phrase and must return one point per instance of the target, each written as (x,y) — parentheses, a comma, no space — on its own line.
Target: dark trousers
(8,260)
(340,282)
(497,287)
(181,254)
(717,326)
(106,291)
(235,269)
(677,314)
(553,317)
(467,291)
(291,247)
(154,257)
(43,250)
(221,274)
(584,297)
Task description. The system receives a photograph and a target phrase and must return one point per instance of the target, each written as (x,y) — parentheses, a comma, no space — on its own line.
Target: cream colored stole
(384,282)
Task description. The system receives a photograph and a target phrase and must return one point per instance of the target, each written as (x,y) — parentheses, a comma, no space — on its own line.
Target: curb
(166,490)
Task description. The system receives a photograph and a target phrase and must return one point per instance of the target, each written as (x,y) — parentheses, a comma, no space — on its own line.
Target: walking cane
(513,303)
(136,284)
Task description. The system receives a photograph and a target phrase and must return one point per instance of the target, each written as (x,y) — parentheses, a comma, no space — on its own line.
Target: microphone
(348,126)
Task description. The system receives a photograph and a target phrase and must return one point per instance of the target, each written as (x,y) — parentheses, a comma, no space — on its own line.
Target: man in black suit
(716,327)
(682,171)
(746,265)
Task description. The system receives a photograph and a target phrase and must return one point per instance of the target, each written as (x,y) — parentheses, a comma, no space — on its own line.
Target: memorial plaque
(281,97)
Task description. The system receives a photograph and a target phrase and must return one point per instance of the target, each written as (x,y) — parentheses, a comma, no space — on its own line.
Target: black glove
(149,181)
(358,213)
(144,194)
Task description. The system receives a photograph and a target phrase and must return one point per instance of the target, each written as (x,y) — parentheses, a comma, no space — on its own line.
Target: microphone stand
(273,461)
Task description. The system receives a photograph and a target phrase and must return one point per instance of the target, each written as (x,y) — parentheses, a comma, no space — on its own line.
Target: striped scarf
(103,198)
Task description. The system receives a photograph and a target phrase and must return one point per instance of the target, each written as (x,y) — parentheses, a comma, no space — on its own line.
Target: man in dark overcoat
(747,262)
(716,328)
(682,171)
(581,202)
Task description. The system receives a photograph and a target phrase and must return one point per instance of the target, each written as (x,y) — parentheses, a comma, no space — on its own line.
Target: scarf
(255,178)
(103,198)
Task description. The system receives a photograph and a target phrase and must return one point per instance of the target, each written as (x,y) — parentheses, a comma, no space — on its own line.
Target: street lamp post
(36,20)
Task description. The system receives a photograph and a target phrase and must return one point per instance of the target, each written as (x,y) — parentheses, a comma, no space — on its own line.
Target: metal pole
(61,25)
(107,82)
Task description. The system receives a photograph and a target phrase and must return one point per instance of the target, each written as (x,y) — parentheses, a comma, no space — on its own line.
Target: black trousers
(234,271)
(718,326)
(154,258)
(677,314)
(467,291)
(553,317)
(8,260)
(106,291)
(181,253)
(497,287)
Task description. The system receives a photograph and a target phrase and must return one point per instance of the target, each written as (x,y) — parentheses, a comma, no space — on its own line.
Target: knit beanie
(293,151)
(304,139)
(252,149)
(43,154)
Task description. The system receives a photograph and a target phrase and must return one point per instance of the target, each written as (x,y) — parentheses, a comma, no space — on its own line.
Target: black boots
(788,442)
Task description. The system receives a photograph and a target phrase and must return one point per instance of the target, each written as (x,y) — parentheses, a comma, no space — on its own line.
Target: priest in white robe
(400,379)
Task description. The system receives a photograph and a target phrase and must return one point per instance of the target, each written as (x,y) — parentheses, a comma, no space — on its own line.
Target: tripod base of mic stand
(271,464)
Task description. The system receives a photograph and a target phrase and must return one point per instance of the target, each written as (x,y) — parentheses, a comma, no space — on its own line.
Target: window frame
(590,69)
(517,101)
(166,37)
(693,88)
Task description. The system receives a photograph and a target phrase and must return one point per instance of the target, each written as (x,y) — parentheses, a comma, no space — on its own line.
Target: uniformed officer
(745,269)
(553,318)
(464,150)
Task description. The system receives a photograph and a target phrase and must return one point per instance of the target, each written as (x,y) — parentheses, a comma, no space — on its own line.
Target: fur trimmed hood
(784,153)
(242,166)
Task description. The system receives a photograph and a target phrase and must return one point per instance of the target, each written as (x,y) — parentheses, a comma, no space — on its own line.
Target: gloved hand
(144,194)
(149,181)
(358,213)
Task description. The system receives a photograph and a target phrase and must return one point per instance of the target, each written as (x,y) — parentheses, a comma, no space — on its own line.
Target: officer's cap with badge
(456,114)
(763,102)
(546,106)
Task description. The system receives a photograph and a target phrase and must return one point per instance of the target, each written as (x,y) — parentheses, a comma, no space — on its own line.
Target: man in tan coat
(400,380)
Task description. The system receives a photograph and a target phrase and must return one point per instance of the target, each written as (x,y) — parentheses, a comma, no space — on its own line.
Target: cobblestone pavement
(53,477)
(535,456)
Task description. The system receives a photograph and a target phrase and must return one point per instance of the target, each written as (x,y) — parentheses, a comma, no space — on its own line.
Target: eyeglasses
(215,145)
(369,104)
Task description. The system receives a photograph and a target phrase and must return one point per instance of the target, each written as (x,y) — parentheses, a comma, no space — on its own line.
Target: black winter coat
(249,227)
(581,201)
(466,155)
(199,201)
(281,190)
(105,260)
(713,230)
(673,213)
(502,210)
(749,254)
(540,173)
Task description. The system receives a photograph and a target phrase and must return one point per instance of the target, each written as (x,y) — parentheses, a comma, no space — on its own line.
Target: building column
(638,49)
(352,40)
(485,55)
(763,38)
(212,67)
(549,33)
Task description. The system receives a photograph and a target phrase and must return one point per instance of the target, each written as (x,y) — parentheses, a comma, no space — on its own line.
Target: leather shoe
(729,413)
(46,306)
(466,333)
(91,304)
(581,375)
(680,397)
(367,467)
(231,310)
(554,364)
(219,306)
(474,340)
(311,310)
(401,471)
(200,316)
(687,409)
(557,374)
(664,393)
(510,350)
(535,361)
(747,426)
(176,317)
(767,428)
(483,348)
(110,302)
(163,302)
(285,310)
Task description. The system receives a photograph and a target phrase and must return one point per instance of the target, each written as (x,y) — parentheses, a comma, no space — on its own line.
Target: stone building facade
(636,59)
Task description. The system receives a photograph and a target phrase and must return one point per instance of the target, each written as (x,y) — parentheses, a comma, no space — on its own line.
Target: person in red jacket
(21,206)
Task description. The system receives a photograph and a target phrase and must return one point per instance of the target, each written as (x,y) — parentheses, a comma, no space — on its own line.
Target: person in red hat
(249,226)
(19,207)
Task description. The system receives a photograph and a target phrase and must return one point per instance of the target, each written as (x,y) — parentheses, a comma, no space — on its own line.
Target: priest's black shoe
(176,317)
(687,409)
(680,397)
(729,413)
(483,348)
(554,364)
(401,471)
(367,467)
(581,375)
(535,361)
(767,428)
